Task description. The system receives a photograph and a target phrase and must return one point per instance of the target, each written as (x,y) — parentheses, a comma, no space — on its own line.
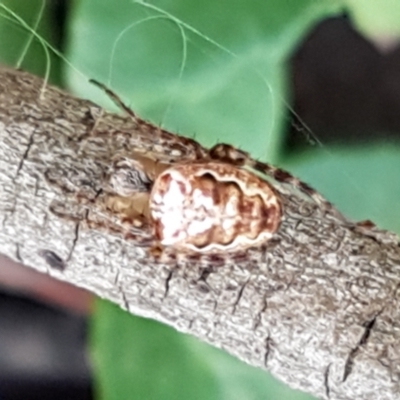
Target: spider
(209,202)
(197,207)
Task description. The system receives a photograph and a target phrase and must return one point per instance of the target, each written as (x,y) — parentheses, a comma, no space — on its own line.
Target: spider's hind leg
(229,154)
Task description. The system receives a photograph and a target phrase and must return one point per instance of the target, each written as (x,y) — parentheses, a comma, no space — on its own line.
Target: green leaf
(19,47)
(211,69)
(377,20)
(363,183)
(135,358)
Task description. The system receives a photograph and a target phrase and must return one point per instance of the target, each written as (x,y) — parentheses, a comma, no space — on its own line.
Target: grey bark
(318,307)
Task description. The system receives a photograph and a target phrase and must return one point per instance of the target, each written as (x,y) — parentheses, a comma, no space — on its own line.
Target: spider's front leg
(118,204)
(118,102)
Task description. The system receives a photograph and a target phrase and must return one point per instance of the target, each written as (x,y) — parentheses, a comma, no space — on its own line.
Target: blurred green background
(216,71)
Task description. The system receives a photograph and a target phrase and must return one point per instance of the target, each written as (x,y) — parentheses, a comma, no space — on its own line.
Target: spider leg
(229,154)
(114,97)
(188,148)
(116,229)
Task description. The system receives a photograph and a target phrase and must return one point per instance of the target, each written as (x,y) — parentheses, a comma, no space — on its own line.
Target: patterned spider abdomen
(213,207)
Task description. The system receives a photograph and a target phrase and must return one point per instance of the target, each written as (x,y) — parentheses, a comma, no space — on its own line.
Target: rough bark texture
(318,307)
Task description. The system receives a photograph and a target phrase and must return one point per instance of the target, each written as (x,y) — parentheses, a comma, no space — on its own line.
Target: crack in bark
(239,296)
(116,278)
(25,155)
(257,318)
(75,239)
(326,381)
(348,367)
(167,280)
(268,342)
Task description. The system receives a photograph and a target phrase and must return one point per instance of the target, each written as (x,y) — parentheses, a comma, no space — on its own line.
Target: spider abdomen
(213,207)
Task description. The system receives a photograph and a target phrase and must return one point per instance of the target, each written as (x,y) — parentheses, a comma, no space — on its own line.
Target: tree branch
(318,307)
